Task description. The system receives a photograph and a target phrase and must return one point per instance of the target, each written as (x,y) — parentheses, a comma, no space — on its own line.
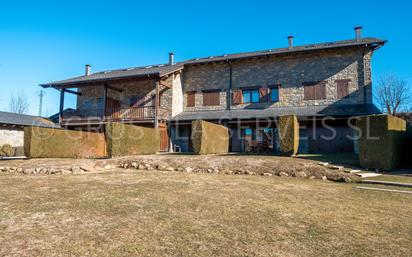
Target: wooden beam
(104,101)
(113,88)
(61,105)
(71,92)
(157,84)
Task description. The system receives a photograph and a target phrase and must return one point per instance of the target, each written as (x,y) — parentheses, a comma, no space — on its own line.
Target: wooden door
(164,137)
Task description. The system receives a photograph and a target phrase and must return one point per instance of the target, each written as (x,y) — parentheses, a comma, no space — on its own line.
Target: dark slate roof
(371,42)
(136,72)
(164,69)
(25,120)
(330,110)
(55,117)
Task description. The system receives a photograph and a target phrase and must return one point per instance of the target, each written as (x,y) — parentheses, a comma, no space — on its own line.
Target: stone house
(325,85)
(12,127)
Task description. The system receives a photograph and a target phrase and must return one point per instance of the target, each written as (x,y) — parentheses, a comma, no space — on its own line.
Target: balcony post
(156,121)
(104,101)
(61,110)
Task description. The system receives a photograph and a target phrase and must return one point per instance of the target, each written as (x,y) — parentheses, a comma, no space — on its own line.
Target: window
(342,88)
(274,94)
(211,98)
(191,96)
(314,90)
(251,96)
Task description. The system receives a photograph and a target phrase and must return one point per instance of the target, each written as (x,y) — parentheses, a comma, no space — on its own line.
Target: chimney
(290,42)
(358,31)
(87,70)
(171,58)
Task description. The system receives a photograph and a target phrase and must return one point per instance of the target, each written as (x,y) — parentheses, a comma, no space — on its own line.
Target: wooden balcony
(114,114)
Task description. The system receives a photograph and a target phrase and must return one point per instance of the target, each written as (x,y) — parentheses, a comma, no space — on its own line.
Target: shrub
(381,141)
(288,128)
(209,138)
(7,150)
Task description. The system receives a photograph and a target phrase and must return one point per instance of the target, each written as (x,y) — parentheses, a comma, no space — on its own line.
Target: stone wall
(290,71)
(12,136)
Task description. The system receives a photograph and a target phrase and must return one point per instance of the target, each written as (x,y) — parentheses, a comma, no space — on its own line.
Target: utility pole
(40,94)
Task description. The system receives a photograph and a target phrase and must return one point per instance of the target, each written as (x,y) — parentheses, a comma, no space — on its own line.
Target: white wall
(14,137)
(177,98)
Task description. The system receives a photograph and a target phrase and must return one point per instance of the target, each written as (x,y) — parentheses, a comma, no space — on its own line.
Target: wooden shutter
(263,94)
(309,91)
(191,97)
(211,98)
(314,90)
(342,88)
(320,91)
(237,97)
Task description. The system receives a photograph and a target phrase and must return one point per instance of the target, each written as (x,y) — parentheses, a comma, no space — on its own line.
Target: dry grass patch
(132,213)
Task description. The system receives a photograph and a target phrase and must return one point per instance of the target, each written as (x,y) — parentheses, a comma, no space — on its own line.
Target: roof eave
(91,81)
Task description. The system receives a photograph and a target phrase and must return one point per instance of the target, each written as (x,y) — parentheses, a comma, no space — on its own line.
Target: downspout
(229,106)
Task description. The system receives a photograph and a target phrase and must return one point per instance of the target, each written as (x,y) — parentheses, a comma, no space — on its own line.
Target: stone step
(384,190)
(387,183)
(368,174)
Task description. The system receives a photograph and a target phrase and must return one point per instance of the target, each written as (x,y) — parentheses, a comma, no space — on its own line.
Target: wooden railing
(116,114)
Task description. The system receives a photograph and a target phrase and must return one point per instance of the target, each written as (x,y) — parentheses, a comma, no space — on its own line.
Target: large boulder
(288,129)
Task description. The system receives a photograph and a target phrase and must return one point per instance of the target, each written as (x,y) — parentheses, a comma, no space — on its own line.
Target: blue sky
(43,41)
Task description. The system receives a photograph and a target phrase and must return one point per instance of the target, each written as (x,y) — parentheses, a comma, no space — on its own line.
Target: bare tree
(392,94)
(19,104)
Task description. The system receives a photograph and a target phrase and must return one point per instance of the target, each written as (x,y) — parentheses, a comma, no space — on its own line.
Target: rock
(267,174)
(134,165)
(348,179)
(64,171)
(324,178)
(109,166)
(86,168)
(323,163)
(188,169)
(312,177)
(19,170)
(335,167)
(7,150)
(283,174)
(169,169)
(161,167)
(180,169)
(209,170)
(76,170)
(301,174)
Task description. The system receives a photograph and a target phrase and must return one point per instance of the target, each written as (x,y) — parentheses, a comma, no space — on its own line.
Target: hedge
(124,139)
(59,143)
(209,138)
(288,129)
(380,142)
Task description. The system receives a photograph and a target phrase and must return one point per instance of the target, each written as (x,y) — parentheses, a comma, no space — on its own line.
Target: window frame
(271,88)
(249,92)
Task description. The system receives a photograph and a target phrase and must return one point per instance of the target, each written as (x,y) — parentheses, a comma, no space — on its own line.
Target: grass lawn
(152,213)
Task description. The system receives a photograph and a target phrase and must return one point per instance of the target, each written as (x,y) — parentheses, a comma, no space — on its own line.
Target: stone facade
(12,136)
(290,71)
